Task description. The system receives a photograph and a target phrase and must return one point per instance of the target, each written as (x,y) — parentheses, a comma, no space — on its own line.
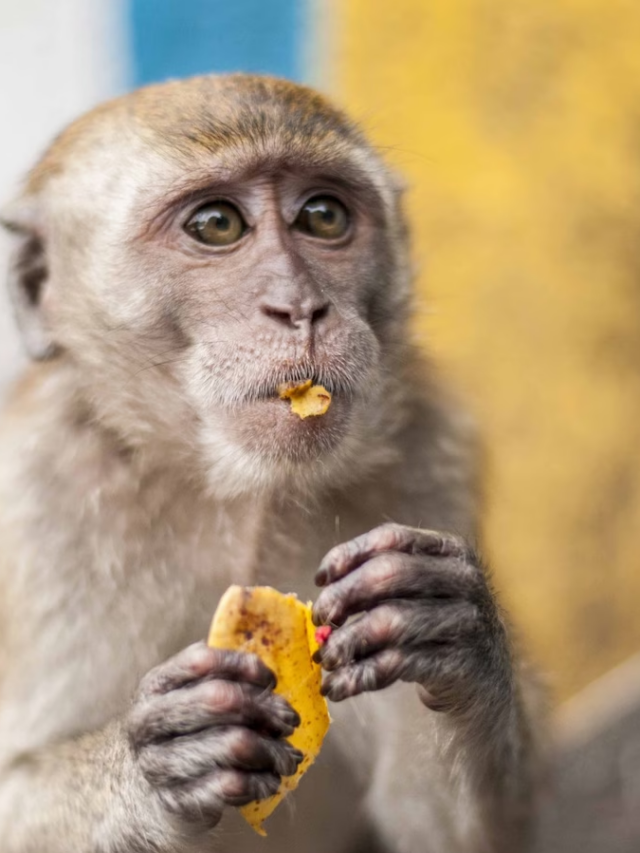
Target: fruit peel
(278,628)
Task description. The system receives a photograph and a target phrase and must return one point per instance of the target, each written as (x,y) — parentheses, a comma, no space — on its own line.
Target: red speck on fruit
(323,633)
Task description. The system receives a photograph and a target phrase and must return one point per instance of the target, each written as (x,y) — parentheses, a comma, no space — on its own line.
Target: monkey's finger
(405,625)
(372,673)
(181,759)
(209,704)
(350,555)
(198,662)
(390,576)
(201,801)
(435,667)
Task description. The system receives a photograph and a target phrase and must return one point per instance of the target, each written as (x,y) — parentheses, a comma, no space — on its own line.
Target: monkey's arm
(204,731)
(456,757)
(469,779)
(83,794)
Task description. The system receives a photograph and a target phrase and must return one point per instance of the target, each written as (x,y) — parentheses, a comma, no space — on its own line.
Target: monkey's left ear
(28,277)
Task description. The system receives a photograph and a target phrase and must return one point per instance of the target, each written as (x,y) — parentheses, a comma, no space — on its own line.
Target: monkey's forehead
(204,115)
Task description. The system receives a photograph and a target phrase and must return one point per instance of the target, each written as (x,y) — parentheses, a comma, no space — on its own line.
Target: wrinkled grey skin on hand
(424,614)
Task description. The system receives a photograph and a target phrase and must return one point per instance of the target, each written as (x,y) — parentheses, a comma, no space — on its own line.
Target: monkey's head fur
(183,250)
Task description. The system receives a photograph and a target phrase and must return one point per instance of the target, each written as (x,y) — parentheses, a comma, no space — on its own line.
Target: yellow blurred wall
(517,125)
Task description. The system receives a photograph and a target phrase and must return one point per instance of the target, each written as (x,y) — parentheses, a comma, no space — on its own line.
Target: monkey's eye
(324,217)
(216,224)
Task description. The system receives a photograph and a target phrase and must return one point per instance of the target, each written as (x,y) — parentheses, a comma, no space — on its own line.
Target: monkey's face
(272,278)
(211,274)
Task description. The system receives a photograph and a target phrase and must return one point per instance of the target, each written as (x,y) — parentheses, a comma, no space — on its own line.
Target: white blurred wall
(57,59)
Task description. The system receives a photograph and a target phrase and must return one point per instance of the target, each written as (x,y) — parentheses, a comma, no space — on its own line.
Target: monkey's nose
(296,316)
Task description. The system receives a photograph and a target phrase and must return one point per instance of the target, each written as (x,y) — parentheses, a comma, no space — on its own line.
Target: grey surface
(593,804)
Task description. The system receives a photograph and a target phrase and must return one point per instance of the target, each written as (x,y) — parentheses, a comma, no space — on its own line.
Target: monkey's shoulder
(438,472)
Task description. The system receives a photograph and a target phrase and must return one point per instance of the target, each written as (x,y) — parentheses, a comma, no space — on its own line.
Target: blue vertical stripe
(178,38)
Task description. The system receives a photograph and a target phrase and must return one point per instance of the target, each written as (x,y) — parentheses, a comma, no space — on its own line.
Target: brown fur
(140,473)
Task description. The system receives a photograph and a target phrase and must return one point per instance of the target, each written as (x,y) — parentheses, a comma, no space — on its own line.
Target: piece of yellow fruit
(277,628)
(307,400)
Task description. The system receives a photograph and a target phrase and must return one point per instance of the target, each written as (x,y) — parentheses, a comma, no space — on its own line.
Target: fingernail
(316,615)
(321,577)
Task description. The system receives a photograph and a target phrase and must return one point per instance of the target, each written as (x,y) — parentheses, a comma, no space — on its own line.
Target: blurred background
(517,127)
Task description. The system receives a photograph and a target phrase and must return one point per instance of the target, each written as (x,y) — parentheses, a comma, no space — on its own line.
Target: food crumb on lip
(307,400)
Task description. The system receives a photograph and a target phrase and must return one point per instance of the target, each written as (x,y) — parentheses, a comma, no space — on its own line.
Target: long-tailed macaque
(179,253)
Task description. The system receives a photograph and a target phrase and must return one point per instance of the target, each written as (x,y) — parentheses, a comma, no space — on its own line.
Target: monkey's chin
(263,445)
(271,428)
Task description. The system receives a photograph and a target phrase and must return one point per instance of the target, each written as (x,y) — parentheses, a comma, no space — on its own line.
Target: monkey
(178,254)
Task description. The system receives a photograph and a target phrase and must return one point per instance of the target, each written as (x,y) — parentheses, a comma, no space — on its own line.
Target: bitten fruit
(277,628)
(307,400)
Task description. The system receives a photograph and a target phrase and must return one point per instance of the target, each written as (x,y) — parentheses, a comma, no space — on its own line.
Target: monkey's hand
(207,731)
(423,613)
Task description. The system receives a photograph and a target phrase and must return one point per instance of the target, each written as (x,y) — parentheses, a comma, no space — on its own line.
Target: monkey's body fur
(134,488)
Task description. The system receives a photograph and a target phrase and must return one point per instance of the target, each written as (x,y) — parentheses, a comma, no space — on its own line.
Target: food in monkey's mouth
(307,400)
(277,628)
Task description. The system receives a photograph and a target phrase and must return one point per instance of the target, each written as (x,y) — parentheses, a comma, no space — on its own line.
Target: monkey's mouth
(255,417)
(270,389)
(247,403)
(263,405)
